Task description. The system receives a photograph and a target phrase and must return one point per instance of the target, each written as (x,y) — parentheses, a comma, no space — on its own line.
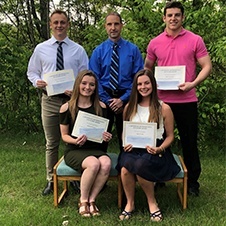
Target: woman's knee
(91,163)
(105,163)
(124,171)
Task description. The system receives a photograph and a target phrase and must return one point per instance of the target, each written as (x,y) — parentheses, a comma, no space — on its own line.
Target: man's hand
(41,84)
(187,86)
(116,105)
(68,92)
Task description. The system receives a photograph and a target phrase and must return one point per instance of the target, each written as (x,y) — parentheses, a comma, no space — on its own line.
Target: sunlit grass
(22,178)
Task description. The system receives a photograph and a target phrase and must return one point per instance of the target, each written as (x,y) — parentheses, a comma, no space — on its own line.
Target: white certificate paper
(169,77)
(90,125)
(59,81)
(139,134)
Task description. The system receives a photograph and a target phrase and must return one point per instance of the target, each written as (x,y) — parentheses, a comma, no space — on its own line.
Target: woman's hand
(153,150)
(128,147)
(81,140)
(107,136)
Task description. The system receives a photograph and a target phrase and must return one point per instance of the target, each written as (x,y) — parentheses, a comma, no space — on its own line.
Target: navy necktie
(60,58)
(114,70)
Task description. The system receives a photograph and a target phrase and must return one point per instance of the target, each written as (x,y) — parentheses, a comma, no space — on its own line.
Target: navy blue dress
(155,168)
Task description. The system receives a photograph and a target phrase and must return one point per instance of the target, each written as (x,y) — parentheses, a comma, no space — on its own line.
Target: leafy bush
(20,102)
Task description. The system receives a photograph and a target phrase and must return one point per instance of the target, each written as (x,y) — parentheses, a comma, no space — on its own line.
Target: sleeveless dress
(155,168)
(73,154)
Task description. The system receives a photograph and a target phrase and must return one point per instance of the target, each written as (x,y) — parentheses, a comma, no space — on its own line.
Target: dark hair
(173,4)
(135,98)
(114,14)
(59,11)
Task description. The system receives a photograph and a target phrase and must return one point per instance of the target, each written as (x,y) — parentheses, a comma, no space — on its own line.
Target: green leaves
(19,101)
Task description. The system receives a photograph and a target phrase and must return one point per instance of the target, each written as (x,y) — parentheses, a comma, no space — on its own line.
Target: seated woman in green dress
(81,154)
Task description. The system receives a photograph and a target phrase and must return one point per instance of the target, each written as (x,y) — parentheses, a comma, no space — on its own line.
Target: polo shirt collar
(182,32)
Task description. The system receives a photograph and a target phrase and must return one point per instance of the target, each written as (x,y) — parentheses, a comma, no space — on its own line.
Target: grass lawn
(22,179)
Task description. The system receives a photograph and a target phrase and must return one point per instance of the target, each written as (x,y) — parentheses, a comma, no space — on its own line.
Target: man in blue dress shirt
(130,62)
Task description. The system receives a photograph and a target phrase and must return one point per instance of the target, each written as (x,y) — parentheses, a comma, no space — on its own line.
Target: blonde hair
(73,102)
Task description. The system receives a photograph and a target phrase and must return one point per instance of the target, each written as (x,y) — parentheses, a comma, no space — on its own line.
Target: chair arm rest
(183,165)
(58,163)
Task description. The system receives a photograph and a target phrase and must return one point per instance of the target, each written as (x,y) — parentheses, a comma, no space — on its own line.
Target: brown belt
(62,95)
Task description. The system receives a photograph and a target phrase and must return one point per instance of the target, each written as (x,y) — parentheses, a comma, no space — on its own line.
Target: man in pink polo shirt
(179,47)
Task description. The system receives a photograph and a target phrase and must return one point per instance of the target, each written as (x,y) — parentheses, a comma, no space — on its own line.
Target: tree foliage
(25,23)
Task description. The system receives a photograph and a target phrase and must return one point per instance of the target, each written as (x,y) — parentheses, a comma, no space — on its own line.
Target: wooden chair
(180,180)
(62,172)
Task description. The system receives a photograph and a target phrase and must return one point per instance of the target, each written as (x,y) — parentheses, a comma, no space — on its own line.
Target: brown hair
(114,14)
(135,98)
(59,11)
(73,102)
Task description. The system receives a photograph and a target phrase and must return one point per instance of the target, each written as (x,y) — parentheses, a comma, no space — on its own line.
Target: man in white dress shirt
(42,61)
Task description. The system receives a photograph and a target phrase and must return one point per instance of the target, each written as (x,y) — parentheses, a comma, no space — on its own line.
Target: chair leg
(55,190)
(179,193)
(65,185)
(185,194)
(64,192)
(120,192)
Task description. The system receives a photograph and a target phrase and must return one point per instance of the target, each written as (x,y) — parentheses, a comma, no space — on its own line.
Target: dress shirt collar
(119,42)
(53,40)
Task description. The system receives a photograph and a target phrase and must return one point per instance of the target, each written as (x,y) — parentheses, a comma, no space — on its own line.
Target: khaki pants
(50,122)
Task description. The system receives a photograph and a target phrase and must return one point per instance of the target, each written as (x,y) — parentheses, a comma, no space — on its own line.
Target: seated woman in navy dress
(81,154)
(150,164)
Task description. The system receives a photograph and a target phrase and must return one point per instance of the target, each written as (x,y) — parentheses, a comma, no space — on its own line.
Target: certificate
(90,125)
(139,134)
(59,81)
(169,77)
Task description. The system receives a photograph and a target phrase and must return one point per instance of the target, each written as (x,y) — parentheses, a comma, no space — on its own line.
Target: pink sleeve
(150,52)
(201,50)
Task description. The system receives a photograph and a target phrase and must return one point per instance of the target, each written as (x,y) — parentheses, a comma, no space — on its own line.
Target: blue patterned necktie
(60,58)
(114,70)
